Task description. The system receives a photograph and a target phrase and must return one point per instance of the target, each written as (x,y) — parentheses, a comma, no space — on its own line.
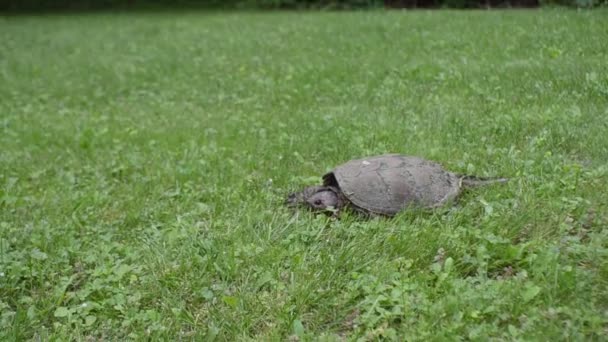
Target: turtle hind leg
(473,181)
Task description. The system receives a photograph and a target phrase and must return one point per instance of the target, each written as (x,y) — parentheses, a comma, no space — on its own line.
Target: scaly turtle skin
(385,185)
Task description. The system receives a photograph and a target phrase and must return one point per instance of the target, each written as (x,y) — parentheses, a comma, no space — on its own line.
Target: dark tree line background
(40,5)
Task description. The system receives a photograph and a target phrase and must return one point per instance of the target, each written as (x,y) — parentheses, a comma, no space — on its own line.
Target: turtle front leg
(336,214)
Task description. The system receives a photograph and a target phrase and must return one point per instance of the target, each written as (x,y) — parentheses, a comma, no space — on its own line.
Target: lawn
(145,157)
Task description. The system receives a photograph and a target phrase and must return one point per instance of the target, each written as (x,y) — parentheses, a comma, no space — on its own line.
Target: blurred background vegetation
(35,5)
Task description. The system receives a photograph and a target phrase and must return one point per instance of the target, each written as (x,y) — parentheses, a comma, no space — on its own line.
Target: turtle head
(317,198)
(323,199)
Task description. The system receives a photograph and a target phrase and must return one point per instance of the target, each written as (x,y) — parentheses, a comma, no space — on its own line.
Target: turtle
(384,185)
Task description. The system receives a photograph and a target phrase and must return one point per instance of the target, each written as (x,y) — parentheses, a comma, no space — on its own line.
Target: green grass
(144,159)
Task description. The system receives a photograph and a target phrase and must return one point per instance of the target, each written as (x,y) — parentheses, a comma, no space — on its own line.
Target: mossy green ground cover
(144,159)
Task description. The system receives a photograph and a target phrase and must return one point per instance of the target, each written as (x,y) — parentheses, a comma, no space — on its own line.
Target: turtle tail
(473,181)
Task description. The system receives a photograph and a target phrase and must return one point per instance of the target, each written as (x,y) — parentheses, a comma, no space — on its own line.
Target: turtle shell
(389,183)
